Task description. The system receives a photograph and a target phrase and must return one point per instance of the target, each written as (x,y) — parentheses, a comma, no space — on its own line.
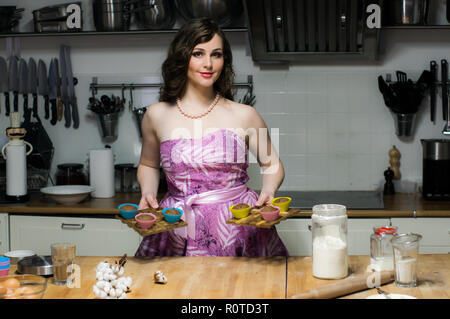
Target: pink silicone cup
(145,223)
(271,216)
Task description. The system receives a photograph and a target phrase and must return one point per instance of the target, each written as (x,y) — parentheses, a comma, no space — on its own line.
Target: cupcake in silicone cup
(270,213)
(145,220)
(282,202)
(240,210)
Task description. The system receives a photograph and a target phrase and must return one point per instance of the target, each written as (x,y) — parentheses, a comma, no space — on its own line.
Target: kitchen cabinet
(435,232)
(4,233)
(92,236)
(296,235)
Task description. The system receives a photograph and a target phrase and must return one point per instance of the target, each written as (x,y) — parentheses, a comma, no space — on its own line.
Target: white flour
(405,271)
(329,258)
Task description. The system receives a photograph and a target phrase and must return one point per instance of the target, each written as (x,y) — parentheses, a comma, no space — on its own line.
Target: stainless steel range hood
(310,30)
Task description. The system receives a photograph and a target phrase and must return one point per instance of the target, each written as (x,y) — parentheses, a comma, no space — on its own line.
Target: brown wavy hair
(175,67)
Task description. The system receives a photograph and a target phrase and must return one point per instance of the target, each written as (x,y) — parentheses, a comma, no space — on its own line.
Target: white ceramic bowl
(68,194)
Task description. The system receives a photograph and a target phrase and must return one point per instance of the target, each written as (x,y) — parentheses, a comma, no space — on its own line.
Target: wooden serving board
(255,218)
(160,225)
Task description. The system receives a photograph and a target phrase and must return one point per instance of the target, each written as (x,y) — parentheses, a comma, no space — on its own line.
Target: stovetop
(350,199)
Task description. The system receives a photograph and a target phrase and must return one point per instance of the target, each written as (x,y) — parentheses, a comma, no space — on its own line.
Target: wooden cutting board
(255,218)
(160,225)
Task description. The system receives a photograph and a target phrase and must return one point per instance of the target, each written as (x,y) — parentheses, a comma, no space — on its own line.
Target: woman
(201,138)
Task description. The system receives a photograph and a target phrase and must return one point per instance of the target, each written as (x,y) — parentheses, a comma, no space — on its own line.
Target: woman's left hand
(264,197)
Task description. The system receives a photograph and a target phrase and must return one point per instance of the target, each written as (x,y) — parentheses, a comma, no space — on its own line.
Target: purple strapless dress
(192,166)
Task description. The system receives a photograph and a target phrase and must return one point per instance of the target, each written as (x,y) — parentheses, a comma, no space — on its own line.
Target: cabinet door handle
(309,227)
(72,226)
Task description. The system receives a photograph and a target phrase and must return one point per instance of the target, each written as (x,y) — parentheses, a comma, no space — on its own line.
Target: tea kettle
(15,154)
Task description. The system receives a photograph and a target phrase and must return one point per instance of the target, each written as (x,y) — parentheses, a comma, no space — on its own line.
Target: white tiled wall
(335,132)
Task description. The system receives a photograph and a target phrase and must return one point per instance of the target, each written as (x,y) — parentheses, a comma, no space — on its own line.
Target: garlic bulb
(159,277)
(110,281)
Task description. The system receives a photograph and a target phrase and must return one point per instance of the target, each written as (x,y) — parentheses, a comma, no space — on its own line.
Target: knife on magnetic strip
(71,89)
(53,84)
(433,69)
(4,87)
(444,79)
(23,88)
(13,80)
(43,86)
(64,89)
(32,84)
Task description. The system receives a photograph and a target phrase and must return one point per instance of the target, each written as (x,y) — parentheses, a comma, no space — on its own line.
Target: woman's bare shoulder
(247,113)
(157,111)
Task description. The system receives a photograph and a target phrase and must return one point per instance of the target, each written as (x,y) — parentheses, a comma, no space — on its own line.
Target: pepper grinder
(394,161)
(389,186)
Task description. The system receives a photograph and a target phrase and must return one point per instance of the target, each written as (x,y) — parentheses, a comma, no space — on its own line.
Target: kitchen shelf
(96,33)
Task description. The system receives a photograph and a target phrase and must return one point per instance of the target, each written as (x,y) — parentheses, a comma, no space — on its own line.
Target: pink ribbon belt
(210,197)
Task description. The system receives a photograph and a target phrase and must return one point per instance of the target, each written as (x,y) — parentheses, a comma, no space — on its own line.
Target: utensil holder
(139,115)
(404,123)
(108,124)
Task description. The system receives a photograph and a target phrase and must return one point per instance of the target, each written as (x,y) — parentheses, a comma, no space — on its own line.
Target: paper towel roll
(101,172)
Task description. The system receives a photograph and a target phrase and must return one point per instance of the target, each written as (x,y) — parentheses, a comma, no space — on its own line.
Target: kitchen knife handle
(54,112)
(7,110)
(75,117)
(47,110)
(67,114)
(16,101)
(59,107)
(35,111)
(26,111)
(444,78)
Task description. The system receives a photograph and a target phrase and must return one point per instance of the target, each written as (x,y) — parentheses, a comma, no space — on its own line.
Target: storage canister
(329,241)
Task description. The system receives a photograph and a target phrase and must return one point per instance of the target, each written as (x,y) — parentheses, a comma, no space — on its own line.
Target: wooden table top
(188,277)
(242,278)
(433,276)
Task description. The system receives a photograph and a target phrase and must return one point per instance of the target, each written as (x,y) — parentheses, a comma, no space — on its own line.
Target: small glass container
(329,241)
(381,253)
(70,174)
(406,253)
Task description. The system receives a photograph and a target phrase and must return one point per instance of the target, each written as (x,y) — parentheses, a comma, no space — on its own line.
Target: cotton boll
(101,284)
(123,296)
(119,292)
(99,275)
(121,271)
(112,292)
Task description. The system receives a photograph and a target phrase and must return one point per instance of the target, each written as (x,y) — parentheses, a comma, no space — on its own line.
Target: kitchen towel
(101,173)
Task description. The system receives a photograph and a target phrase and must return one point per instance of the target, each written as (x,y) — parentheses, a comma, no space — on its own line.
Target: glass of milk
(406,251)
(329,241)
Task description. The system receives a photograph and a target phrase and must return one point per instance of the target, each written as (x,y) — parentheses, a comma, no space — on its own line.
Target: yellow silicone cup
(284,207)
(240,213)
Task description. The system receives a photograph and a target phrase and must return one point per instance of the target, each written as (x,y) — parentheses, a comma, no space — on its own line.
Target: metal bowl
(68,194)
(224,12)
(31,287)
(154,14)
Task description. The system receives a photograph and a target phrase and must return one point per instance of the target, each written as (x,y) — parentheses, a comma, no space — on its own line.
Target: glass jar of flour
(329,241)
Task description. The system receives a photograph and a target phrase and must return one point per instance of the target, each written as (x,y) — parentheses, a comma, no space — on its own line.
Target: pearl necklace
(216,99)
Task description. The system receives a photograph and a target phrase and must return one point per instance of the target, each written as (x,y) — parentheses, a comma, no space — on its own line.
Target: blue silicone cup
(128,214)
(172,218)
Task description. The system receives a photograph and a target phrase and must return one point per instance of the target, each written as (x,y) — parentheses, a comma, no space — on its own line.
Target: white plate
(17,255)
(392,296)
(68,194)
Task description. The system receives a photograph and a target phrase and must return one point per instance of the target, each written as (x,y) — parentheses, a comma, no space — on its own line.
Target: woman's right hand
(148,200)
